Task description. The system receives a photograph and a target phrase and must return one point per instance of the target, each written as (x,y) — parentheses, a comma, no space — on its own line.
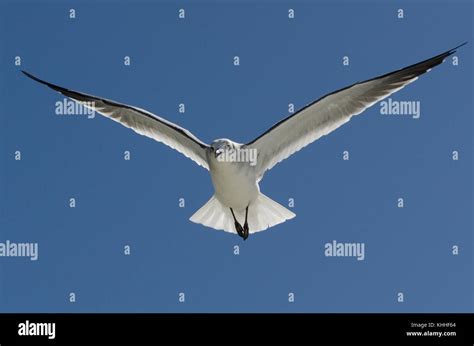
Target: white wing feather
(140,121)
(330,112)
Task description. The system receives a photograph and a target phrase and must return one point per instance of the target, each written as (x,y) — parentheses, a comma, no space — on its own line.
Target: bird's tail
(262,214)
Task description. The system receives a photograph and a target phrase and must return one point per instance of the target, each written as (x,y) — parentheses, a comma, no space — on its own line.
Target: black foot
(239,229)
(246,230)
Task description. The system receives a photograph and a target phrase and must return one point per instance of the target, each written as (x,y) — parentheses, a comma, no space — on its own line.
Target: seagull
(236,168)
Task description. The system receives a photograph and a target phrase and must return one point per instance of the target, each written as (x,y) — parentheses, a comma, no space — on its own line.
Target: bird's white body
(236,187)
(235,183)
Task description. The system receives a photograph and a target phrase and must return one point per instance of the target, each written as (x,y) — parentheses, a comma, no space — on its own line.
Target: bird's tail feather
(262,214)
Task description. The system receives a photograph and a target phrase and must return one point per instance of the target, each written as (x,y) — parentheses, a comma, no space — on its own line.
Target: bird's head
(219,146)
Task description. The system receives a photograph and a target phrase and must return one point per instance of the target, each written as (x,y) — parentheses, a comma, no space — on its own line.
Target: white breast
(235,183)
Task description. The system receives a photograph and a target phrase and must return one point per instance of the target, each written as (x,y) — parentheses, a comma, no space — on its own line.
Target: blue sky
(190,61)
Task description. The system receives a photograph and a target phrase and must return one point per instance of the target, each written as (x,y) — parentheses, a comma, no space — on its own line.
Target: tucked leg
(246,225)
(238,226)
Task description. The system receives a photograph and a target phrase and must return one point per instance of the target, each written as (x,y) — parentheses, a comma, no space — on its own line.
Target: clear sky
(408,250)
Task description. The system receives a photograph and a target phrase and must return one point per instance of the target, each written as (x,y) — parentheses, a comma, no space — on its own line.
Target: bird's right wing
(140,121)
(326,114)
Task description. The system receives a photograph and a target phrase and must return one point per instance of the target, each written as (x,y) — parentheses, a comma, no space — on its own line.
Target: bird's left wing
(326,114)
(140,121)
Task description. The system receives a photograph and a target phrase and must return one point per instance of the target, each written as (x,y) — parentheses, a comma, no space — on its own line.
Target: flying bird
(236,169)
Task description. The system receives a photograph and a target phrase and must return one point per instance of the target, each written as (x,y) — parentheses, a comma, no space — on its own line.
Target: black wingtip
(52,86)
(457,47)
(29,75)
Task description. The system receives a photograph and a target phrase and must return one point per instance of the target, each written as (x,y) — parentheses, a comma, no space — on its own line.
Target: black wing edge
(408,72)
(84,97)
